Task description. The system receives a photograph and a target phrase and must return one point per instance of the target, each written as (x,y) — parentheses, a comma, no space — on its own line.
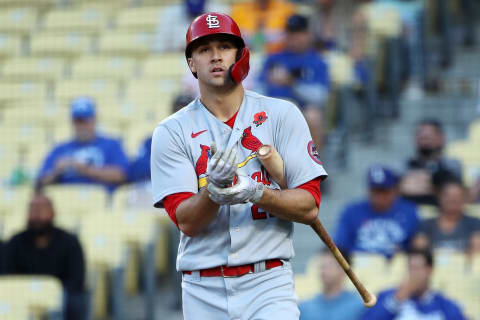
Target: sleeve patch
(312,151)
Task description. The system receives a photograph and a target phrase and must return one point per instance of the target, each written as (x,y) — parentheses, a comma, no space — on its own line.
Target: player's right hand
(221,168)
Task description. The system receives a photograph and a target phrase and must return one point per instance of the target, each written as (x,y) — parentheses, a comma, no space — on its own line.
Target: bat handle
(369,300)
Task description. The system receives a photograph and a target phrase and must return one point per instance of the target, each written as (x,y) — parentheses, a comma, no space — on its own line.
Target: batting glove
(245,190)
(222,166)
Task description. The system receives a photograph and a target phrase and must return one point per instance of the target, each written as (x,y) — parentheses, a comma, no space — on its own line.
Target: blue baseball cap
(380,177)
(82,108)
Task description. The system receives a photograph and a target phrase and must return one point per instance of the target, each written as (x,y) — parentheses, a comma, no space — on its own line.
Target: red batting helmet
(219,23)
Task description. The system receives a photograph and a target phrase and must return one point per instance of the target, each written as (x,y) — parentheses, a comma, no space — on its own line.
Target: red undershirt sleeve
(172,201)
(313,186)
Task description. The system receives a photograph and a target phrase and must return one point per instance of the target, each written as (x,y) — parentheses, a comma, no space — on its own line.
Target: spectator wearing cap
(299,74)
(452,229)
(89,157)
(429,168)
(383,223)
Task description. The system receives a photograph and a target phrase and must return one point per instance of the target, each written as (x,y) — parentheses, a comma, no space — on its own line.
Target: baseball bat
(273,163)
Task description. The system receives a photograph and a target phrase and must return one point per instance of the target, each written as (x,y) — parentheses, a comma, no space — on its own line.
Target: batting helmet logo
(212,21)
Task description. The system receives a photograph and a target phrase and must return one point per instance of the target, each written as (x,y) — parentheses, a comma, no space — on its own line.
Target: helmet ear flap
(239,70)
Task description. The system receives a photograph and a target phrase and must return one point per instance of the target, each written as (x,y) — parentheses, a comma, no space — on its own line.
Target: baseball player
(235,221)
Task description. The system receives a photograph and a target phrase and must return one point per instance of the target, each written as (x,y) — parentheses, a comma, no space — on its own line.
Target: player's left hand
(245,190)
(221,168)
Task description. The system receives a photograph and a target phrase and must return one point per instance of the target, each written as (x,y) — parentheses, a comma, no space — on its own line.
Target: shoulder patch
(259,118)
(312,151)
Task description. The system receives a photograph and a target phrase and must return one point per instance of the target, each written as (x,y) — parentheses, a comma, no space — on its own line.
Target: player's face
(211,61)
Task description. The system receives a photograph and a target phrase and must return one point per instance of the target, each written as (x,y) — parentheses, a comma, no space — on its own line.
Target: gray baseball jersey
(243,233)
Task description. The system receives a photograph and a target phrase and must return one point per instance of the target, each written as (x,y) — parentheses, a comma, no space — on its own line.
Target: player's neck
(222,104)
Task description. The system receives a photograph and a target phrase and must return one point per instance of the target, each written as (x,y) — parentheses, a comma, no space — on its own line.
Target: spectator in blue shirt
(299,73)
(139,168)
(334,303)
(382,224)
(88,157)
(414,299)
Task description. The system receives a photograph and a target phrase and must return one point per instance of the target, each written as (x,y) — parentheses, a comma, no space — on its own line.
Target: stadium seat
(33,69)
(78,199)
(383,19)
(126,43)
(340,68)
(63,45)
(106,257)
(18,20)
(98,67)
(25,90)
(139,19)
(10,45)
(308,284)
(474,132)
(397,269)
(39,296)
(13,204)
(85,21)
(99,89)
(372,269)
(426,211)
(167,65)
(28,3)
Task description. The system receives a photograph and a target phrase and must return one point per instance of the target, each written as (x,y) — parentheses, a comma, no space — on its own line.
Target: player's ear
(191,65)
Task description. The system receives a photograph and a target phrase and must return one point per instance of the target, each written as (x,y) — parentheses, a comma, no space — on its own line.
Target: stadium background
(54,50)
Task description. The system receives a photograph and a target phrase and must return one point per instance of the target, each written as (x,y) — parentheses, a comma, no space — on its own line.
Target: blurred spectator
(43,249)
(330,25)
(452,229)
(429,168)
(174,20)
(334,303)
(382,224)
(300,74)
(263,22)
(139,168)
(88,157)
(413,299)
(3,258)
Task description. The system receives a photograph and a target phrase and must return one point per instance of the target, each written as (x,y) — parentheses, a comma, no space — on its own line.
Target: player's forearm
(296,205)
(195,214)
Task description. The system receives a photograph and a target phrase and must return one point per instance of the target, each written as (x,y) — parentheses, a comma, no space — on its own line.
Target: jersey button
(234,255)
(236,228)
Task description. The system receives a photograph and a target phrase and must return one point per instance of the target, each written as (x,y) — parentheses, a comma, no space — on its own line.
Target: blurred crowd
(346,65)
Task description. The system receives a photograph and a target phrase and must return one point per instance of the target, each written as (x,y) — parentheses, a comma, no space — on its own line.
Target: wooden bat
(273,163)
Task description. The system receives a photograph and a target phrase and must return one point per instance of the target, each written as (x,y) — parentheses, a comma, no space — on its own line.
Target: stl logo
(259,118)
(212,21)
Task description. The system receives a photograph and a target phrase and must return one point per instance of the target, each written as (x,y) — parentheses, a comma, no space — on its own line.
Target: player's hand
(245,190)
(222,166)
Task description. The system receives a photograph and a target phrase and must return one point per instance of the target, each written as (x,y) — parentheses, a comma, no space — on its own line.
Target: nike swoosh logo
(194,135)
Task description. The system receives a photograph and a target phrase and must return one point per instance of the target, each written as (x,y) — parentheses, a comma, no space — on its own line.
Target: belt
(235,271)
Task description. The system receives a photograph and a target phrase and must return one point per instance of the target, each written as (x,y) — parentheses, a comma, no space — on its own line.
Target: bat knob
(371,301)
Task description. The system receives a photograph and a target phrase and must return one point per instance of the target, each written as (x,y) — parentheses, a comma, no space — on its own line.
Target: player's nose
(216,55)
